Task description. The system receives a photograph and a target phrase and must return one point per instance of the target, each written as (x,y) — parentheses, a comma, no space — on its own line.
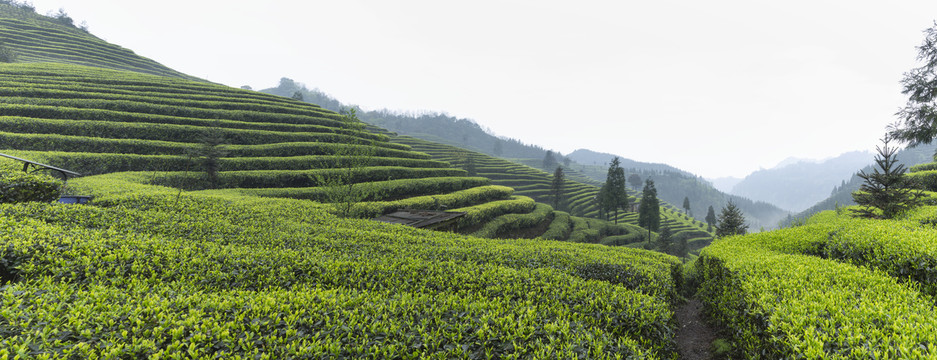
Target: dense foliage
(18,186)
(144,272)
(837,287)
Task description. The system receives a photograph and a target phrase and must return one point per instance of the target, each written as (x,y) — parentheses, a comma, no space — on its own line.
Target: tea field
(837,287)
(150,272)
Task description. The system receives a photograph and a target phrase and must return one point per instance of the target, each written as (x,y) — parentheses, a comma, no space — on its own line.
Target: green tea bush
(559,228)
(508,223)
(18,186)
(390,190)
(480,214)
(779,305)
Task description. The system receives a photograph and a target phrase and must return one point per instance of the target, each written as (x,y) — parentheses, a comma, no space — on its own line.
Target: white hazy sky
(717,88)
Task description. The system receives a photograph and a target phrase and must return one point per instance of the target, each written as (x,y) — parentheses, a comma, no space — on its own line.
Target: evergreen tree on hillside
(549,160)
(613,195)
(887,191)
(649,209)
(711,217)
(731,222)
(686,205)
(681,249)
(602,202)
(557,189)
(665,241)
(919,115)
(635,181)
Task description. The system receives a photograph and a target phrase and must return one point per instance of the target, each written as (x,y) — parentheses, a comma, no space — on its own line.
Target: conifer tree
(919,115)
(549,160)
(888,192)
(681,248)
(635,181)
(557,189)
(613,194)
(686,205)
(665,241)
(649,209)
(731,222)
(711,217)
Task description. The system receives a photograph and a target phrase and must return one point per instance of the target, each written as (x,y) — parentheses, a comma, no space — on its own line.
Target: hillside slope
(842,195)
(435,127)
(37,38)
(537,184)
(162,130)
(674,185)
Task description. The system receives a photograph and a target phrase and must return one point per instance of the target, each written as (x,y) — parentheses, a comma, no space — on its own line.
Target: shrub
(16,187)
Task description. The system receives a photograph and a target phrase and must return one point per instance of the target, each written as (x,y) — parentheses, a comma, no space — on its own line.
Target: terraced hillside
(147,272)
(243,270)
(159,130)
(536,184)
(36,38)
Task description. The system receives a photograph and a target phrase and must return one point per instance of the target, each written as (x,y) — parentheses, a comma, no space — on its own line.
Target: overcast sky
(716,88)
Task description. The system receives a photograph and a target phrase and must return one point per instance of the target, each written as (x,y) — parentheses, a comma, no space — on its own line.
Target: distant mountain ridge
(436,127)
(797,184)
(589,157)
(842,194)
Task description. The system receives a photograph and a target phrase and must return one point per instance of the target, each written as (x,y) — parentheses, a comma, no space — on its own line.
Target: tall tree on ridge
(711,217)
(557,189)
(686,205)
(665,241)
(613,192)
(649,209)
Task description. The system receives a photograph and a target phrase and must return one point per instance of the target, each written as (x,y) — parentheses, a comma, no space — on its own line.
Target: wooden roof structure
(422,219)
(40,166)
